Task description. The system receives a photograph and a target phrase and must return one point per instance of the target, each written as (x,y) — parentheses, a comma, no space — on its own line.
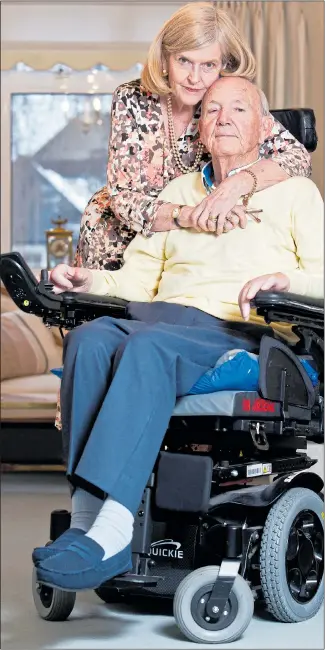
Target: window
(59,127)
(58,160)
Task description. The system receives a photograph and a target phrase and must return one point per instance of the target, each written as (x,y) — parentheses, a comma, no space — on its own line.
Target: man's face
(232,123)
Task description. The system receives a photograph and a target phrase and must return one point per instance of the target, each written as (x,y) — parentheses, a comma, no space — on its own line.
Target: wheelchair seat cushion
(220,403)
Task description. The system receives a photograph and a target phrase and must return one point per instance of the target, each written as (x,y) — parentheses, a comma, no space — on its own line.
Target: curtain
(257,41)
(277,34)
(275,67)
(302,67)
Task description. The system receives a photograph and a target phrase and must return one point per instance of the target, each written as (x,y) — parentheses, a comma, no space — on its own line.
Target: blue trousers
(120,382)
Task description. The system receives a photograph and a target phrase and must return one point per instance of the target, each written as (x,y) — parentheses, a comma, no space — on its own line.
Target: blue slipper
(41,553)
(81,566)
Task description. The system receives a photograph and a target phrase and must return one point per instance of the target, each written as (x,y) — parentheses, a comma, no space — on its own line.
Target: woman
(154,138)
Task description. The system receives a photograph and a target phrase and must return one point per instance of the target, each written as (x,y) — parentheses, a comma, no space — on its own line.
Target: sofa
(28,389)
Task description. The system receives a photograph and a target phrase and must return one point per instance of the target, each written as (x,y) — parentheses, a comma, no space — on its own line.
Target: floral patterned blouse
(141,164)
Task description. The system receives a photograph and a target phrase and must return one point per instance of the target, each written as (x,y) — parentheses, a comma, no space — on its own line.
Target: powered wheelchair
(238,521)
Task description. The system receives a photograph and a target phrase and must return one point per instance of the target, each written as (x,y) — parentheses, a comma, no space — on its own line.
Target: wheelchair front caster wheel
(292,556)
(189,608)
(52,604)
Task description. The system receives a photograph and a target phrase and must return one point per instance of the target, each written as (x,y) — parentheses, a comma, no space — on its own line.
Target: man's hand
(70,278)
(275,281)
(188,219)
(219,212)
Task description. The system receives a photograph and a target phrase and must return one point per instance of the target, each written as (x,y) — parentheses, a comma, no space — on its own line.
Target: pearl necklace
(174,146)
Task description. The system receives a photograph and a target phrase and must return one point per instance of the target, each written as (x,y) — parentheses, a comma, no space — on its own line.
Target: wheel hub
(304,556)
(198,610)
(45,595)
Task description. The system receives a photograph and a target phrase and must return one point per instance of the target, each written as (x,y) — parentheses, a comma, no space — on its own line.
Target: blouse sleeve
(133,201)
(284,149)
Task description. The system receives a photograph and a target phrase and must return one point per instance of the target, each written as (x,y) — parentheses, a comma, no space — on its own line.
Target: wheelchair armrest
(89,303)
(290,308)
(66,310)
(92,300)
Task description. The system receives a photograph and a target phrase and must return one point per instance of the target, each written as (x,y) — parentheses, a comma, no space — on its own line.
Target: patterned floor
(27,501)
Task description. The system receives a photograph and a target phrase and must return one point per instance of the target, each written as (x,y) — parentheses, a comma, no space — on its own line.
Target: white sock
(85,508)
(112,528)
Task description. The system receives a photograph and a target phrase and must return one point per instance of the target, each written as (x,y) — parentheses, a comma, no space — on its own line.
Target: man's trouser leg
(152,367)
(88,354)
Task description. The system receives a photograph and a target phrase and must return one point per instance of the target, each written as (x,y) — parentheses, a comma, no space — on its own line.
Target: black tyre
(189,608)
(52,604)
(291,556)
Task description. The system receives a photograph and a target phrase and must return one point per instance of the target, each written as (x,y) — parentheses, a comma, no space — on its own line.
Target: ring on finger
(214,219)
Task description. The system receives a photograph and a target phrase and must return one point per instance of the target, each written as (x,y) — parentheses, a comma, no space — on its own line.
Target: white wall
(80,34)
(93,23)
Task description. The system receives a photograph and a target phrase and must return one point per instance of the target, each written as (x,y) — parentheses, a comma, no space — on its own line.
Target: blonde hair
(192,27)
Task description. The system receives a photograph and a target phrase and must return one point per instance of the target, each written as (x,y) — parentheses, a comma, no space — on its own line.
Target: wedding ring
(214,219)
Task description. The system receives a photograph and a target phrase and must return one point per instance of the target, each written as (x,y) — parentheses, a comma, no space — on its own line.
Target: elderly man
(190,294)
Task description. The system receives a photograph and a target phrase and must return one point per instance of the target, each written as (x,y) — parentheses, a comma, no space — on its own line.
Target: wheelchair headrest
(301,123)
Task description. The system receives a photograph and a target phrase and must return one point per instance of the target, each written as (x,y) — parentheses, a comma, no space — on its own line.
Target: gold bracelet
(247,197)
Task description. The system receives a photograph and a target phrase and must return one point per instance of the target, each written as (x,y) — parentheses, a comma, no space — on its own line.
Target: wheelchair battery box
(183,482)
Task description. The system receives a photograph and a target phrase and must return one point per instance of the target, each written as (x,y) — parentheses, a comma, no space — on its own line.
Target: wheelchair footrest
(135,580)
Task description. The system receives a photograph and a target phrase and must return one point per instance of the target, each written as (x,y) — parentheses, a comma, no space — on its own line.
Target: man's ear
(266,127)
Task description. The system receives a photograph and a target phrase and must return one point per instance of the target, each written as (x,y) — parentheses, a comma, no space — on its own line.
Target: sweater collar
(208,174)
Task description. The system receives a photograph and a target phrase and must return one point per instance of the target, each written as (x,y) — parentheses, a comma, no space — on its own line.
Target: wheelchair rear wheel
(291,556)
(189,608)
(52,604)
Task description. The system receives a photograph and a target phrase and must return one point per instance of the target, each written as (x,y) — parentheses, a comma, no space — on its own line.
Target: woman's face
(191,73)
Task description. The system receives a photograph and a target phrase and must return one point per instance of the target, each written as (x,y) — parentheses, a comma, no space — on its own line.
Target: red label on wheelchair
(259,405)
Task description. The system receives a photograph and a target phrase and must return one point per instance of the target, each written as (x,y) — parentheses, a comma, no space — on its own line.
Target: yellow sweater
(208,272)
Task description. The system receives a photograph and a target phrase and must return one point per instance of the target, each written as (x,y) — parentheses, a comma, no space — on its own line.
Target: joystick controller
(45,283)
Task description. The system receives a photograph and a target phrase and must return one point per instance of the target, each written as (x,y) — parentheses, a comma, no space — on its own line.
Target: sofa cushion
(27,346)
(57,336)
(6,303)
(38,387)
(29,398)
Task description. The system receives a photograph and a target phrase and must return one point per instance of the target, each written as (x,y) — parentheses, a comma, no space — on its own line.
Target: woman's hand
(219,212)
(71,278)
(275,281)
